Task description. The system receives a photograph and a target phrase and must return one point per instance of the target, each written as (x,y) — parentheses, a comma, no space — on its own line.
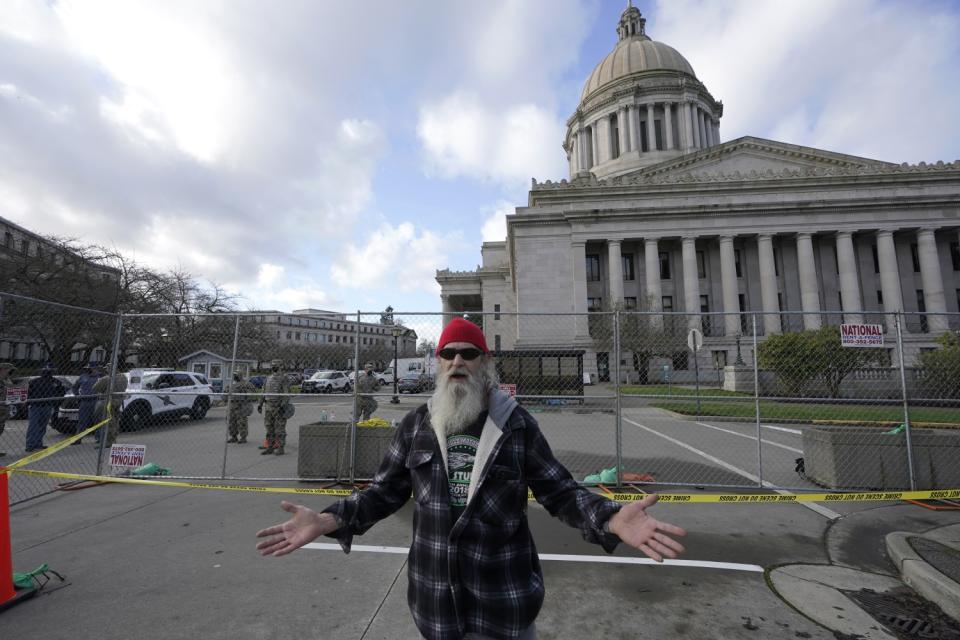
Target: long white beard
(457,405)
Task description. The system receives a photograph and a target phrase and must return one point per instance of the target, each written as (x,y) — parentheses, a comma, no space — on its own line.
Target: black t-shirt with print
(461,452)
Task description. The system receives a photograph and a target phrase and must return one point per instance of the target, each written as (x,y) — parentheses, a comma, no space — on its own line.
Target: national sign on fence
(861,335)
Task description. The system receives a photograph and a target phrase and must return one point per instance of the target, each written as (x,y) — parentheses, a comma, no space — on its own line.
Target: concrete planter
(325,450)
(867,458)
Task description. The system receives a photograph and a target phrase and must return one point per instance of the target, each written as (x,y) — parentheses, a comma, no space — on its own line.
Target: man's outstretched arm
(304,527)
(635,527)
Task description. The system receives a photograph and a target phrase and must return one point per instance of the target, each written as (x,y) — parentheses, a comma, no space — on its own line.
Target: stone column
(691,282)
(623,129)
(768,285)
(716,130)
(575,153)
(447,307)
(651,130)
(889,275)
(704,134)
(809,291)
(667,126)
(615,271)
(627,123)
(635,128)
(728,281)
(651,258)
(695,125)
(686,131)
(578,256)
(930,276)
(849,281)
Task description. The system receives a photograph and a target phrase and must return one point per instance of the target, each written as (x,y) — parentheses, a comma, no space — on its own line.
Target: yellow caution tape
(66,442)
(733,498)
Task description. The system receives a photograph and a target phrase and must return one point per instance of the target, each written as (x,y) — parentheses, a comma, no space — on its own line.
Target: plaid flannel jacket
(481,574)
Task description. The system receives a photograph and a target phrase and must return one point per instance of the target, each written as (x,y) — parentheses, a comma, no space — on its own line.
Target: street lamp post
(397,332)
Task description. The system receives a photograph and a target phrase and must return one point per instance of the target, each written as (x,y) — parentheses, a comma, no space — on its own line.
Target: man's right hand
(304,527)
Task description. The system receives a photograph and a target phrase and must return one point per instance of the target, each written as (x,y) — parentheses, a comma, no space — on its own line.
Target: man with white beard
(468,457)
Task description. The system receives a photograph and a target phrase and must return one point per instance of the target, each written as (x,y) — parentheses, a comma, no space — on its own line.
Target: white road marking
(813,506)
(707,564)
(776,428)
(750,437)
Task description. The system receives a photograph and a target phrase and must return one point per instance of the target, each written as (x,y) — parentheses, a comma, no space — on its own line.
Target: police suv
(153,395)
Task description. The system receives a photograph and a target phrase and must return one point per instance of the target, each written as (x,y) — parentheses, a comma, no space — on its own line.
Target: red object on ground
(7,592)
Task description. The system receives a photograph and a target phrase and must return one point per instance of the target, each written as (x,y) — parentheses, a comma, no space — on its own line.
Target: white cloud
(464,137)
(268,275)
(495,226)
(396,258)
(863,77)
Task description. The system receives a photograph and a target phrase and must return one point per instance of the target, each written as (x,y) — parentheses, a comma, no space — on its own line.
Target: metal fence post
(108,405)
(356,397)
(229,381)
(906,407)
(756,403)
(616,369)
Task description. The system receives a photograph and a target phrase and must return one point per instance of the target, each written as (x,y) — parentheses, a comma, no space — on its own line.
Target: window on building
(783,318)
(628,272)
(664,265)
(876,258)
(879,297)
(736,262)
(658,134)
(955,255)
(705,321)
(958,298)
(680,360)
(297,335)
(630,303)
(644,143)
(496,312)
(614,137)
(278,335)
(742,304)
(593,267)
(289,335)
(921,307)
(701,265)
(667,302)
(594,304)
(8,240)
(915,255)
(25,247)
(776,262)
(496,342)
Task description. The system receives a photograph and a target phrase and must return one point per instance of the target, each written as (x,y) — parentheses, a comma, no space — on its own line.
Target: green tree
(799,358)
(940,368)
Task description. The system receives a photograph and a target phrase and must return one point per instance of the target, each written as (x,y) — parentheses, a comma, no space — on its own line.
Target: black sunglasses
(449,353)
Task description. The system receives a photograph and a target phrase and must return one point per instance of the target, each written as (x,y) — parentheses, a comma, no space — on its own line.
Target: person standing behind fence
(241,406)
(6,370)
(43,394)
(367,383)
(112,398)
(274,419)
(83,388)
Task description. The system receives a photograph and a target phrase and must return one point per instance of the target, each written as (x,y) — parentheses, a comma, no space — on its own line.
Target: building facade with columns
(660,215)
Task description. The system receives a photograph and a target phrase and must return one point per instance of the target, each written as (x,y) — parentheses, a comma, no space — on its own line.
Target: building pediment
(749,159)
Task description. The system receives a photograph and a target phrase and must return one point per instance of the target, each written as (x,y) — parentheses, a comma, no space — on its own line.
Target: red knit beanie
(460,330)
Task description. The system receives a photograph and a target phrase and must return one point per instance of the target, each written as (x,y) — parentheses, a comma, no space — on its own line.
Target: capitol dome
(641,105)
(635,54)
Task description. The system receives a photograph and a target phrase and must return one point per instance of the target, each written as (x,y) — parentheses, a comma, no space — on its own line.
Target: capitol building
(659,214)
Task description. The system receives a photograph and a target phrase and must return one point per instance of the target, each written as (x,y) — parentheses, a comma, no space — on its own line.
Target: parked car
(258,381)
(294,378)
(152,396)
(327,382)
(415,383)
(17,395)
(382,376)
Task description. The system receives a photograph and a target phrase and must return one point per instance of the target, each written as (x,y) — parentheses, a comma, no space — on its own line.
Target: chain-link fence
(706,400)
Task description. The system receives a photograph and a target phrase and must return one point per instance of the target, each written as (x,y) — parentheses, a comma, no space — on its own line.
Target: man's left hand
(644,532)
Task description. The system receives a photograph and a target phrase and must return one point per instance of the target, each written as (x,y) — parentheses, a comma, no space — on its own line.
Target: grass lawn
(773,410)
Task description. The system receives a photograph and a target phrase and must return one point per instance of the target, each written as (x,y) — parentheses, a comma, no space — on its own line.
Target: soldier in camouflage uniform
(241,406)
(273,418)
(6,370)
(112,397)
(367,383)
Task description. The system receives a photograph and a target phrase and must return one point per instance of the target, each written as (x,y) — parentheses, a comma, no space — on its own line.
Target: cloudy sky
(335,154)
